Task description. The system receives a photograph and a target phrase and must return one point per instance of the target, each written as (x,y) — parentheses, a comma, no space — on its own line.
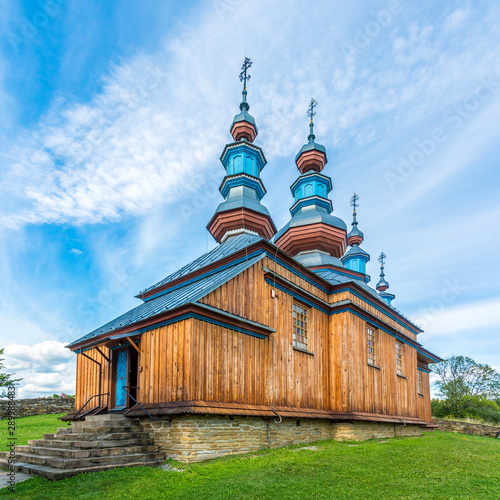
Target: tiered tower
(355,258)
(313,236)
(383,285)
(242,188)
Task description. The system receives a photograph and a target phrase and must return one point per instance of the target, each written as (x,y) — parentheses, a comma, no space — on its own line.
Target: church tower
(383,285)
(242,188)
(355,258)
(313,236)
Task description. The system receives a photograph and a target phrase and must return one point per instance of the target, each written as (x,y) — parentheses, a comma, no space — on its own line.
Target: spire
(311,114)
(244,77)
(313,235)
(243,126)
(355,237)
(383,285)
(242,188)
(356,258)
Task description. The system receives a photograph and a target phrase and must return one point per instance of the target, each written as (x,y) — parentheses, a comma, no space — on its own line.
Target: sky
(114,115)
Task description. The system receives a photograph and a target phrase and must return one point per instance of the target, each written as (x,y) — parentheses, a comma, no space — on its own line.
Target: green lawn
(30,428)
(438,465)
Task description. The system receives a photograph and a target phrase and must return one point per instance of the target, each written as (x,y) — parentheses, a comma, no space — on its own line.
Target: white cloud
(46,368)
(440,320)
(161,119)
(43,356)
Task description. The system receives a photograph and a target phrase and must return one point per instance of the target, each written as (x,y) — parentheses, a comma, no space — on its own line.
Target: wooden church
(273,337)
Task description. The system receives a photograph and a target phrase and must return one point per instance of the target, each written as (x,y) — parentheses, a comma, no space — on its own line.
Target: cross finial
(354,205)
(244,76)
(311,114)
(381,259)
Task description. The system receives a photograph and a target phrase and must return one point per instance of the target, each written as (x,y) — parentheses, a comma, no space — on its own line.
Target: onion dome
(313,236)
(383,285)
(312,156)
(242,188)
(355,258)
(244,126)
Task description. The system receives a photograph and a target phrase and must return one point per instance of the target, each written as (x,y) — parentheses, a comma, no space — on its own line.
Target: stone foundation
(466,428)
(192,438)
(37,406)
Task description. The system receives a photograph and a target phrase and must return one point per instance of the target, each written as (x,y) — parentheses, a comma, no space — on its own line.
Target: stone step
(89,436)
(82,453)
(84,444)
(100,429)
(78,463)
(80,424)
(107,416)
(55,474)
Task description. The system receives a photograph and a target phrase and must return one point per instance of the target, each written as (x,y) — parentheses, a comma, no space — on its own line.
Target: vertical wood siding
(197,360)
(87,378)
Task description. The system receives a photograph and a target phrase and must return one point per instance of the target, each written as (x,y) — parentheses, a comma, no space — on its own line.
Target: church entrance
(124,380)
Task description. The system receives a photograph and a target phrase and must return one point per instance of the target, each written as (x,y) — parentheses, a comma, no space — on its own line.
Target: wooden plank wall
(166,363)
(197,360)
(424,401)
(360,387)
(87,378)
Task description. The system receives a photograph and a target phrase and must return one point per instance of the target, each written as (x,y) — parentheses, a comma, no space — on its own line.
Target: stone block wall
(192,438)
(465,427)
(38,406)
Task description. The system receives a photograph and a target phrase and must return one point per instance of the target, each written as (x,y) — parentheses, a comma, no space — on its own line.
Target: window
(370,345)
(420,384)
(399,358)
(299,326)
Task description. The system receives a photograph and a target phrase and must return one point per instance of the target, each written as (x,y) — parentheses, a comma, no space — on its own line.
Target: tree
(465,385)
(6,378)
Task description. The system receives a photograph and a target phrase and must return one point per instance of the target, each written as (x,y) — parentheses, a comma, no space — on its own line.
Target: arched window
(249,166)
(308,190)
(237,164)
(321,190)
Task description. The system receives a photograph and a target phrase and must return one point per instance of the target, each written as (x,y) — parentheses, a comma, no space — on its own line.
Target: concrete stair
(98,443)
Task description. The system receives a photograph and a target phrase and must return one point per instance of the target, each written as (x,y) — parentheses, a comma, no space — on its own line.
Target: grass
(438,465)
(30,428)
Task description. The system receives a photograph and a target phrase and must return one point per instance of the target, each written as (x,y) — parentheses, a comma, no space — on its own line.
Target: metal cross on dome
(244,77)
(354,201)
(382,258)
(354,205)
(310,110)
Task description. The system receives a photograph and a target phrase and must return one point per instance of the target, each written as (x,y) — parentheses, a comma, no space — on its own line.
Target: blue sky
(114,116)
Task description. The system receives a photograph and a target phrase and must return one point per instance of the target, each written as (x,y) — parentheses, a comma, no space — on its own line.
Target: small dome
(312,156)
(355,250)
(382,285)
(355,236)
(307,216)
(356,232)
(311,146)
(318,258)
(243,126)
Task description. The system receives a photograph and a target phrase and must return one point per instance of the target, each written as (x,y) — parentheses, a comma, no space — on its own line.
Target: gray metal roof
(189,293)
(311,214)
(230,246)
(310,146)
(337,279)
(355,250)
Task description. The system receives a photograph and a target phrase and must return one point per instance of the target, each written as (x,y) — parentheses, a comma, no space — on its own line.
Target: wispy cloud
(159,122)
(45,368)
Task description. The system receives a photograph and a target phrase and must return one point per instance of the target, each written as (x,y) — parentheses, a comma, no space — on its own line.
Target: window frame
(371,351)
(300,340)
(420,382)
(399,359)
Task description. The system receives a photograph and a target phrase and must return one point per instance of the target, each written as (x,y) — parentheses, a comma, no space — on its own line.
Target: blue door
(121,377)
